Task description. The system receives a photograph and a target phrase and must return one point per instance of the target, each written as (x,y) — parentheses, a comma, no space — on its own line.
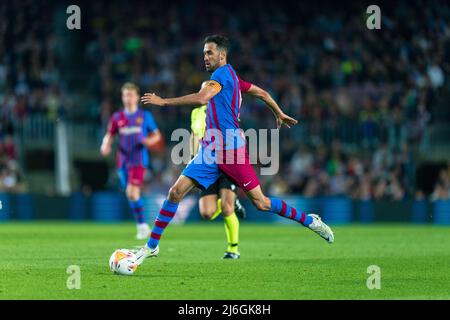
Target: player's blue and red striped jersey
(132,128)
(223,110)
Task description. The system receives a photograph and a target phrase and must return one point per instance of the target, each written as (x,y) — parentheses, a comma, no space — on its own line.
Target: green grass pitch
(277,262)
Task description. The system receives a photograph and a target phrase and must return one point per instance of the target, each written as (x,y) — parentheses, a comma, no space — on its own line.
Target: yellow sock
(232,232)
(218,210)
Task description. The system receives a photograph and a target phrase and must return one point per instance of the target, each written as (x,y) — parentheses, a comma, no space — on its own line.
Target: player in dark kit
(223,140)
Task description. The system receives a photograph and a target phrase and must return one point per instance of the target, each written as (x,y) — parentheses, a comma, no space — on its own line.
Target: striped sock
(165,215)
(280,207)
(137,208)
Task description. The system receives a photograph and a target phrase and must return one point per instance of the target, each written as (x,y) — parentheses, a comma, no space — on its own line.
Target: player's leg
(231,221)
(176,193)
(238,207)
(133,196)
(133,192)
(209,204)
(136,204)
(263,203)
(195,173)
(278,206)
(243,174)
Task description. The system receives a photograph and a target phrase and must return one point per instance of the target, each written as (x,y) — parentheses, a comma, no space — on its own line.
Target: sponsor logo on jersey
(130,130)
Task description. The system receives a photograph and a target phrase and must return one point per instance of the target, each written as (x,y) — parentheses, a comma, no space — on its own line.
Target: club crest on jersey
(139,120)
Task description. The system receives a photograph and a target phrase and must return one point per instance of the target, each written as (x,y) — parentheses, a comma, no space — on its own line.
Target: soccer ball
(123,261)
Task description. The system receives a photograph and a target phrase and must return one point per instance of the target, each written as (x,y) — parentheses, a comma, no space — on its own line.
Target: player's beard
(212,67)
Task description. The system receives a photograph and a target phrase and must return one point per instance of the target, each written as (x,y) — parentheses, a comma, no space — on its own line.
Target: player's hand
(147,142)
(284,119)
(105,150)
(151,98)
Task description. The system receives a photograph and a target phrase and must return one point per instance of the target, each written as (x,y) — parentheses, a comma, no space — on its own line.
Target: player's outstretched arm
(105,149)
(107,141)
(195,99)
(280,116)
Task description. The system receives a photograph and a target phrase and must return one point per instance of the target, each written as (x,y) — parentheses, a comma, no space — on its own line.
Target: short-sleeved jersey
(198,121)
(132,128)
(223,110)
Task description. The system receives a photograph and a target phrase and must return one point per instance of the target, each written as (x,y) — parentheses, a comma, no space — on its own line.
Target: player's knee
(207,214)
(175,194)
(133,196)
(227,208)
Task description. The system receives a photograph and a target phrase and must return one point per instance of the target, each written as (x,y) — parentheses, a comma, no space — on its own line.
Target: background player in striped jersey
(137,131)
(223,140)
(220,197)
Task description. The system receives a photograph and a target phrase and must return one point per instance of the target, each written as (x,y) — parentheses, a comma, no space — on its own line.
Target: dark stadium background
(373,141)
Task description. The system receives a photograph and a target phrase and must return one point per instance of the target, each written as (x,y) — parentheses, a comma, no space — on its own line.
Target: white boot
(319,227)
(143,231)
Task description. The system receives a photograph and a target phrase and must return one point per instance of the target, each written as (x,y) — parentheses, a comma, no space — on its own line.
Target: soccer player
(220,196)
(137,131)
(222,138)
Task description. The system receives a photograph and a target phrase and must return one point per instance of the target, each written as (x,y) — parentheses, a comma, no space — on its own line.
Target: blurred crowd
(30,81)
(323,66)
(441,189)
(348,85)
(11,177)
(322,171)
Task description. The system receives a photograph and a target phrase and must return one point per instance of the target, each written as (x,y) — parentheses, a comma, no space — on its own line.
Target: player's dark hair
(222,42)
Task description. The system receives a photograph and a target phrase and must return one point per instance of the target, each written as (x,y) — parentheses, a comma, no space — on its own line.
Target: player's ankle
(233,248)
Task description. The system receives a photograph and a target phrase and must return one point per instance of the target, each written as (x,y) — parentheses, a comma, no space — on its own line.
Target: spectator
(442,188)
(8,148)
(371,90)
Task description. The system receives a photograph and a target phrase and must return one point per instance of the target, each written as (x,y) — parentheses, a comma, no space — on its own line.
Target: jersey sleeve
(217,79)
(198,121)
(112,125)
(193,118)
(244,86)
(150,122)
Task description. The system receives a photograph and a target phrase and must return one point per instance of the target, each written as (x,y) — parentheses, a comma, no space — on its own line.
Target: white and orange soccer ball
(123,261)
